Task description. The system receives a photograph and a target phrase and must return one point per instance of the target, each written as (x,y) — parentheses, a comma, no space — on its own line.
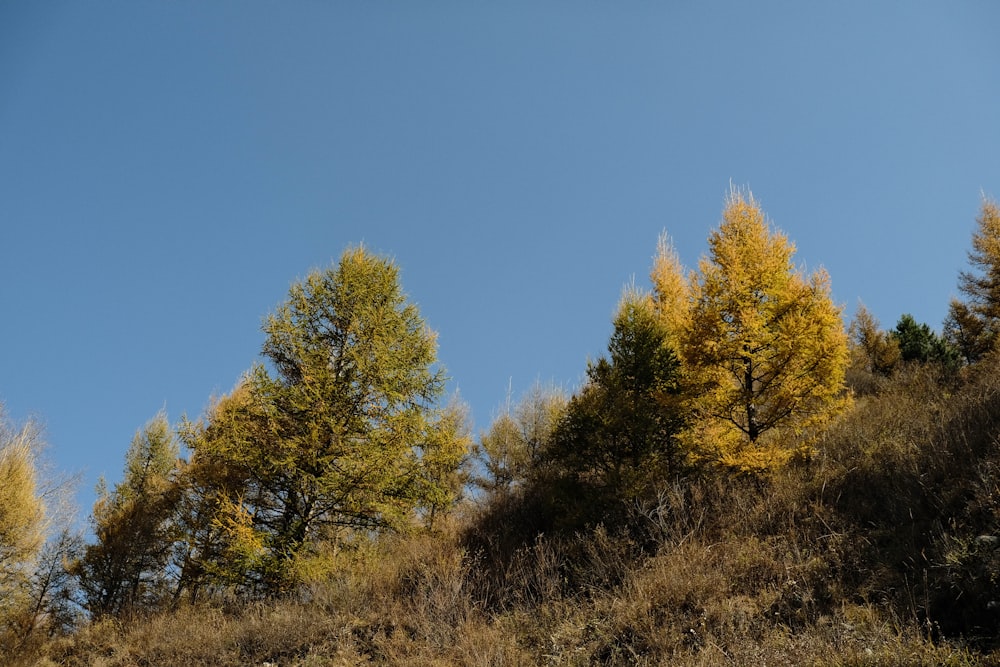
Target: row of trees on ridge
(345,433)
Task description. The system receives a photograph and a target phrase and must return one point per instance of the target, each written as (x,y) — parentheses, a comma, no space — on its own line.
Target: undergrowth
(881,548)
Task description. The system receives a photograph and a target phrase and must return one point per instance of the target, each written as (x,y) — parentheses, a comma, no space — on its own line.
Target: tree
(982,284)
(874,350)
(972,326)
(618,436)
(512,447)
(53,600)
(917,342)
(22,515)
(671,292)
(969,333)
(209,487)
(765,348)
(126,568)
(346,434)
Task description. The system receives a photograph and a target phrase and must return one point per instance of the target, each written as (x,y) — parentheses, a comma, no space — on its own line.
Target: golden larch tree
(671,291)
(765,349)
(873,350)
(125,569)
(22,515)
(972,326)
(343,432)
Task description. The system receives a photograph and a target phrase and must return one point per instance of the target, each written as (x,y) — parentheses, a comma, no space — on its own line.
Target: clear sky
(168,169)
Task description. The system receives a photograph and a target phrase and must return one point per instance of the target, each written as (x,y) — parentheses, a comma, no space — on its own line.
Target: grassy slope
(878,551)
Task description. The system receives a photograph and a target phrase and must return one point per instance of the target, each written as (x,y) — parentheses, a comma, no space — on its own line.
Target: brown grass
(738,602)
(876,550)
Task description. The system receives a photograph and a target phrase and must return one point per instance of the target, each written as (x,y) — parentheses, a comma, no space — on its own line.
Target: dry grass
(873,552)
(738,602)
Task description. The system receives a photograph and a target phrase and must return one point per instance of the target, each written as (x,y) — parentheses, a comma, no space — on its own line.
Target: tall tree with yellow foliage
(125,569)
(765,349)
(973,326)
(22,516)
(671,297)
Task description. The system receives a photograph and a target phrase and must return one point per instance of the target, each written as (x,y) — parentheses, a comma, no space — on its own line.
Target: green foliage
(124,569)
(881,551)
(511,450)
(346,435)
(598,541)
(619,433)
(917,342)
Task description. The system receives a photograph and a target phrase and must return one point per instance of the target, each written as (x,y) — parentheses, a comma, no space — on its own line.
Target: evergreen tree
(618,437)
(918,342)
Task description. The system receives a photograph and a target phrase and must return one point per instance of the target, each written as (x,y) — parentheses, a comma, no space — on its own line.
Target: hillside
(739,481)
(878,549)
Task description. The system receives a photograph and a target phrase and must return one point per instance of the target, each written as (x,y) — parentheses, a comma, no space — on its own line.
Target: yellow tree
(873,350)
(509,451)
(765,349)
(22,515)
(972,327)
(124,570)
(671,291)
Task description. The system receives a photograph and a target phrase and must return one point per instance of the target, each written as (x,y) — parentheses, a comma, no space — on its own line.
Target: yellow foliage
(22,513)
(872,349)
(983,289)
(973,326)
(671,290)
(244,546)
(765,348)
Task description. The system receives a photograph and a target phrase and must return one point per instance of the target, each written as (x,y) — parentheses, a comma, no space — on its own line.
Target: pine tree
(765,349)
(918,342)
(619,437)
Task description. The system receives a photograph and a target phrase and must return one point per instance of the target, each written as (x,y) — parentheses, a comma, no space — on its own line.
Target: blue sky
(168,169)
